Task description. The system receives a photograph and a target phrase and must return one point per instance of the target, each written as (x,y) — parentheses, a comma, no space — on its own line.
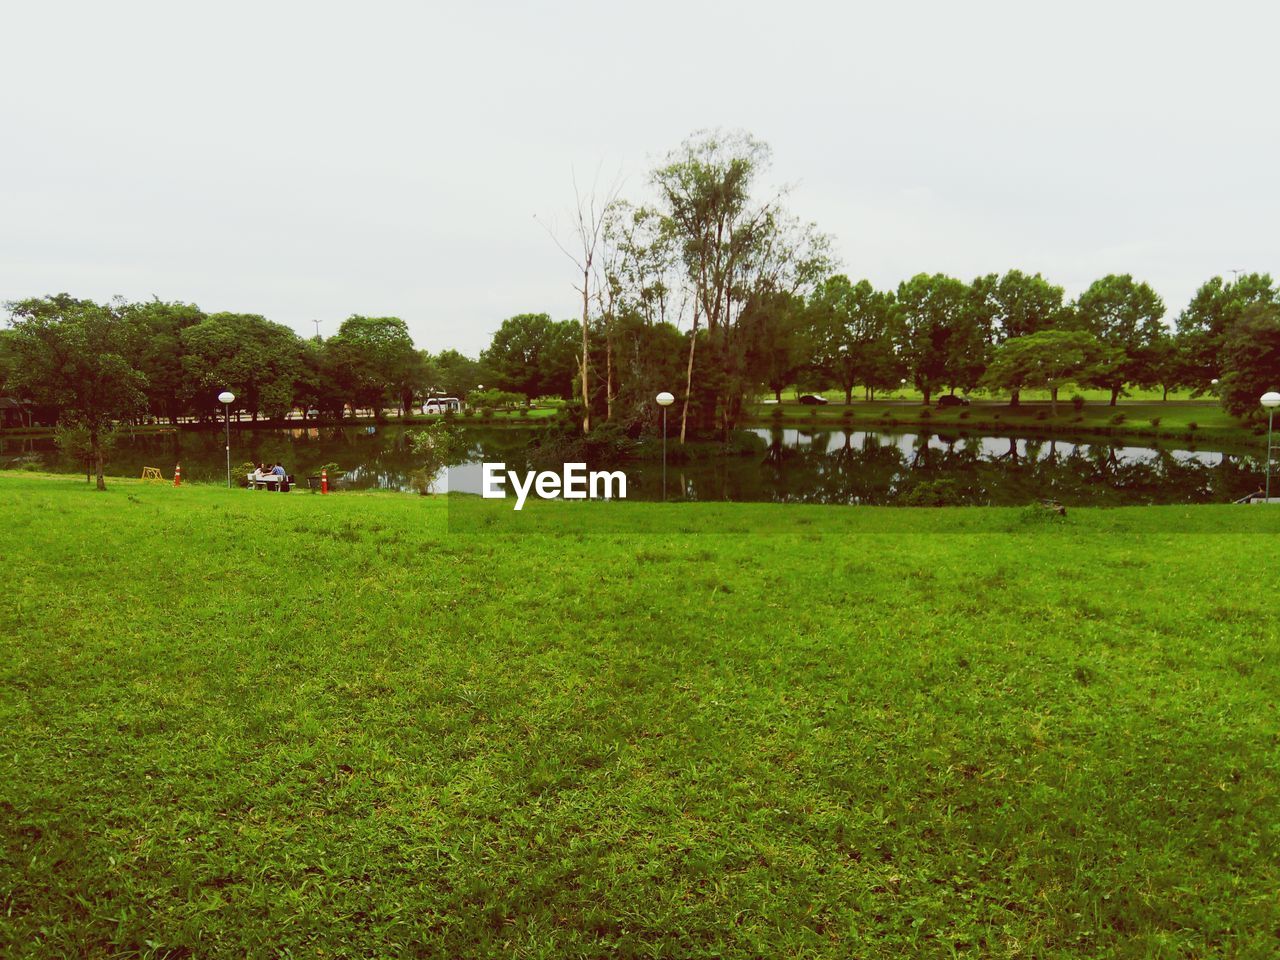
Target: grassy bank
(241,724)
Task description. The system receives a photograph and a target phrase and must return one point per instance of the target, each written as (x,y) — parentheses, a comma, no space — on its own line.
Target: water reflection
(789,465)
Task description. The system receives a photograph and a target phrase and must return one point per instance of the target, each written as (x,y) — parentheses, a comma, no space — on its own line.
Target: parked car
(439,405)
(810,400)
(952,400)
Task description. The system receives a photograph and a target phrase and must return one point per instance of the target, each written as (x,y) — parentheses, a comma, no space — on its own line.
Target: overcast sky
(309,161)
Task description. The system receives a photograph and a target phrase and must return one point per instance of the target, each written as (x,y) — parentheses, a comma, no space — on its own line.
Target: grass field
(252,725)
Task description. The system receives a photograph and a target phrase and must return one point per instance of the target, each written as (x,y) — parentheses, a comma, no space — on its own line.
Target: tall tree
(71,354)
(934,331)
(855,329)
(590,215)
(377,361)
(1126,316)
(455,374)
(1018,305)
(1046,360)
(155,350)
(1251,359)
(1204,324)
(732,249)
(533,355)
(779,339)
(245,353)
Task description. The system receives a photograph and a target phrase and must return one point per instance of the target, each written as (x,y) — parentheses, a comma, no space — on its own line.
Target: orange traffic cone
(324,481)
(177,475)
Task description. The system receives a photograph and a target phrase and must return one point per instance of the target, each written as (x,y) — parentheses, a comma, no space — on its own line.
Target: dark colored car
(951,400)
(810,400)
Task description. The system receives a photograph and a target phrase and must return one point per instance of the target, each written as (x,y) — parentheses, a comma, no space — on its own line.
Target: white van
(439,405)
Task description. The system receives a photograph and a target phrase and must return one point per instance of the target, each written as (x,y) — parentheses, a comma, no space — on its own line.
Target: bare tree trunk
(688,379)
(1053,400)
(608,370)
(586,317)
(1115,395)
(96,446)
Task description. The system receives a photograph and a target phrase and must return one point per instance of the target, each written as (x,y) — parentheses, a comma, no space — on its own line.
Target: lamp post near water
(664,400)
(225,398)
(1269,400)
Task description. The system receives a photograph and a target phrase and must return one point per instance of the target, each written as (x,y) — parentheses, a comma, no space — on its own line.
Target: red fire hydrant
(324,481)
(177,475)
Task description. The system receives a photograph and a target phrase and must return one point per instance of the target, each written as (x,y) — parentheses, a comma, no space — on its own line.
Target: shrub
(1077,401)
(936,493)
(1193,425)
(926,415)
(1155,421)
(1118,419)
(524,411)
(470,412)
(434,448)
(1043,513)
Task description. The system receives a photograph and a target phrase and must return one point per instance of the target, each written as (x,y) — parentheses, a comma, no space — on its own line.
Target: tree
(376,362)
(1046,360)
(855,328)
(155,349)
(732,249)
(456,375)
(245,353)
(8,364)
(534,355)
(317,382)
(1125,316)
(1163,364)
(1204,324)
(70,353)
(935,331)
(1019,305)
(776,327)
(1250,359)
(591,215)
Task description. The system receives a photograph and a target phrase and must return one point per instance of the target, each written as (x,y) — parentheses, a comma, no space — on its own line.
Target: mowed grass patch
(250,724)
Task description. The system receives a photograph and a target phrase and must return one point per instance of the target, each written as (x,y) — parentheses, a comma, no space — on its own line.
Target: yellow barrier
(152,475)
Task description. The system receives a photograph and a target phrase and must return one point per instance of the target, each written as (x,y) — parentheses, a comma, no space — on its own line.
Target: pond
(820,466)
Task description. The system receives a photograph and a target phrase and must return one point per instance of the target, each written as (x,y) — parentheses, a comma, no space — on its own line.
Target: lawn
(258,725)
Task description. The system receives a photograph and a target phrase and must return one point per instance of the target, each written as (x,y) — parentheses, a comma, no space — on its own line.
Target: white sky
(308,161)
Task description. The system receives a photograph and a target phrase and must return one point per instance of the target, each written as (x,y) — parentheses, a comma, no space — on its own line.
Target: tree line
(713,291)
(709,289)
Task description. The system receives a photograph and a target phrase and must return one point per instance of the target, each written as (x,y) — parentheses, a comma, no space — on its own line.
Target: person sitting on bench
(278,470)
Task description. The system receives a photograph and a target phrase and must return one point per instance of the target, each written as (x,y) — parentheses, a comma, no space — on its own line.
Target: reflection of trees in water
(852,467)
(798,466)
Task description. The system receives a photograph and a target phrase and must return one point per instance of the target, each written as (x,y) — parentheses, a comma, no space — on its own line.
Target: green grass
(253,725)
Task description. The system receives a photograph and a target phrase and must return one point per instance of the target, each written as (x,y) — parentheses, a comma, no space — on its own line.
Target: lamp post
(225,398)
(1269,400)
(664,400)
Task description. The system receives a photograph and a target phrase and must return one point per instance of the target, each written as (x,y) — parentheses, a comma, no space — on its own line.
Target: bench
(268,483)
